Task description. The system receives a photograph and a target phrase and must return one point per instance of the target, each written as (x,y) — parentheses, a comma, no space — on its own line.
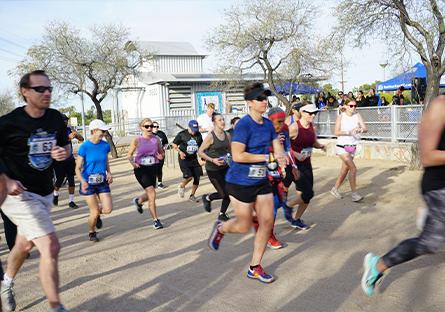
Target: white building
(173,83)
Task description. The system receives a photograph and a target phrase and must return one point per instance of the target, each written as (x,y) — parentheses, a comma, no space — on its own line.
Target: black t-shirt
(188,144)
(163,137)
(434,177)
(396,99)
(25,147)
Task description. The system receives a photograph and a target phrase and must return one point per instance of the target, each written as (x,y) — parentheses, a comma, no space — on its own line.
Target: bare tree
(91,64)
(416,25)
(271,36)
(6,102)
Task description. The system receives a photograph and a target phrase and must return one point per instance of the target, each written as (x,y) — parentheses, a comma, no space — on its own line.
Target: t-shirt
(25,147)
(188,144)
(257,138)
(204,121)
(163,137)
(396,99)
(94,158)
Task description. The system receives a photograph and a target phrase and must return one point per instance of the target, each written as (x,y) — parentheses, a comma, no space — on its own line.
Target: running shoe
(223,217)
(274,243)
(288,213)
(192,198)
(93,237)
(356,197)
(8,297)
(181,191)
(60,308)
(370,274)
(73,205)
(138,206)
(334,191)
(207,203)
(157,224)
(161,186)
(259,274)
(299,224)
(216,236)
(55,200)
(99,223)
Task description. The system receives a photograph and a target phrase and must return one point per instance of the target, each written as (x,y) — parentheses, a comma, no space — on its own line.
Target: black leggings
(431,238)
(159,170)
(10,230)
(305,184)
(218,179)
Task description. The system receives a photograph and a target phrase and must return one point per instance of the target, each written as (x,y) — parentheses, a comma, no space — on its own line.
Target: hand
(109,178)
(281,159)
(218,162)
(84,186)
(182,155)
(14,187)
(72,135)
(159,156)
(58,153)
(323,147)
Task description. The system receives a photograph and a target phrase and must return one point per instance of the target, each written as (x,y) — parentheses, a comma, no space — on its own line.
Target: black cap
(65,117)
(297,106)
(253,94)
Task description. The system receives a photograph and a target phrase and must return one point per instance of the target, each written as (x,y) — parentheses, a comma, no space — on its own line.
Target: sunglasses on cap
(42,89)
(149,126)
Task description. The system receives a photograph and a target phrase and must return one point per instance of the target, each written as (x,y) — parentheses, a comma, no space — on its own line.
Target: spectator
(351,95)
(372,99)
(340,98)
(321,101)
(398,98)
(383,101)
(360,99)
(205,120)
(331,101)
(295,99)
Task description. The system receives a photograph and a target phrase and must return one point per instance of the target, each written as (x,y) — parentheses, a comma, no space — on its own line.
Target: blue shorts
(95,189)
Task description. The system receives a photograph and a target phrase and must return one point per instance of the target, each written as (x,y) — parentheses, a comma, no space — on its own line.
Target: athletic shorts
(146,175)
(190,168)
(31,213)
(289,178)
(95,189)
(64,169)
(248,194)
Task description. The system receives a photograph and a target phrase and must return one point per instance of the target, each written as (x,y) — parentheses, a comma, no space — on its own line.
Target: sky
(22,24)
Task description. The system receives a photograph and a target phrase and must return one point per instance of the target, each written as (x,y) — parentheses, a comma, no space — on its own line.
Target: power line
(12,53)
(12,42)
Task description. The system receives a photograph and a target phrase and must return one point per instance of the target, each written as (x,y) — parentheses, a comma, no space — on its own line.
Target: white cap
(98,124)
(309,108)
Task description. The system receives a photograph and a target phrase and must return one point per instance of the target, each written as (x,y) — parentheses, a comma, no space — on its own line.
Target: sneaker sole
(333,194)
(260,279)
(358,200)
(212,236)
(274,247)
(300,228)
(366,269)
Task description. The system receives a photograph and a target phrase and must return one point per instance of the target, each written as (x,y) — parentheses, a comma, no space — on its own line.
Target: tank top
(146,151)
(305,140)
(434,177)
(347,123)
(217,149)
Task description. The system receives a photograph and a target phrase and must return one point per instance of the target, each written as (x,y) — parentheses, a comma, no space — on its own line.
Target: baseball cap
(98,124)
(276,112)
(260,90)
(193,125)
(310,108)
(297,106)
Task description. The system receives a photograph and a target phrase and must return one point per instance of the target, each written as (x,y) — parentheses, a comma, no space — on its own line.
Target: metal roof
(153,78)
(169,48)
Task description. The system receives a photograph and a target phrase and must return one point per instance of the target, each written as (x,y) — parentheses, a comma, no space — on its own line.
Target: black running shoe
(157,224)
(207,203)
(223,217)
(55,200)
(138,206)
(99,223)
(93,237)
(73,205)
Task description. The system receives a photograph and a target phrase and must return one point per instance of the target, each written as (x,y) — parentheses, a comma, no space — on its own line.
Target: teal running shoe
(370,274)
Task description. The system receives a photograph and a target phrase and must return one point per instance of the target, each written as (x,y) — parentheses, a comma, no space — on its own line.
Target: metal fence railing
(387,123)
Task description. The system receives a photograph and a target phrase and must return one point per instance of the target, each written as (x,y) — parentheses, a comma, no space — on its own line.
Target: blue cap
(193,125)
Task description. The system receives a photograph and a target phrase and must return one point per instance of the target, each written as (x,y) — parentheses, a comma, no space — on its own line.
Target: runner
(295,113)
(32,137)
(93,172)
(149,152)
(3,194)
(348,127)
(303,140)
(215,150)
(160,165)
(432,155)
(246,180)
(187,143)
(66,169)
(233,123)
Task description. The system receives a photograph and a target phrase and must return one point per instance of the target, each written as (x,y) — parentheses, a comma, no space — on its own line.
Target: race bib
(257,171)
(306,151)
(96,178)
(40,146)
(274,174)
(192,147)
(148,161)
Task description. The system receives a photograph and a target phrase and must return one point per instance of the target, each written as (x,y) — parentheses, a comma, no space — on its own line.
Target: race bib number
(148,161)
(40,146)
(96,178)
(192,147)
(257,171)
(306,151)
(274,174)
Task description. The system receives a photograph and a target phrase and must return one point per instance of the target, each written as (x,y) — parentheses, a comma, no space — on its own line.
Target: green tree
(6,102)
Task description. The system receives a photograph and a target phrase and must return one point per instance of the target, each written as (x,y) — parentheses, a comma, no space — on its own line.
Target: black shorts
(64,169)
(306,182)
(146,175)
(248,194)
(190,168)
(289,178)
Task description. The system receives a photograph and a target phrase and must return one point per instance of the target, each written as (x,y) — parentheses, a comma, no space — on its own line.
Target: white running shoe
(336,193)
(356,197)
(181,191)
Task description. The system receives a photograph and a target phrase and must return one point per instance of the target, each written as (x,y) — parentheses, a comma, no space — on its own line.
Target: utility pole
(342,81)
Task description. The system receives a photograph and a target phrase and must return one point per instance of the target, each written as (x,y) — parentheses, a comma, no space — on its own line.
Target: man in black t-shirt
(187,143)
(33,136)
(399,99)
(164,142)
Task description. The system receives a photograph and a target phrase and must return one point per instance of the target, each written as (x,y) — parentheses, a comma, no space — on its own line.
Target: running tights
(218,179)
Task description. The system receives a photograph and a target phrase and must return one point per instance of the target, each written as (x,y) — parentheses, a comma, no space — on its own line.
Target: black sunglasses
(311,113)
(156,127)
(261,98)
(148,126)
(42,89)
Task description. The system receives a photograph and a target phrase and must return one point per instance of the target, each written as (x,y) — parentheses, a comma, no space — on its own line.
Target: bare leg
(264,211)
(343,173)
(18,255)
(93,204)
(194,188)
(106,202)
(242,222)
(151,195)
(186,181)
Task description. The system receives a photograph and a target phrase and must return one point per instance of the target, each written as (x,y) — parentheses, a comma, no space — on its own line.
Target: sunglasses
(352,106)
(42,89)
(261,98)
(149,126)
(311,113)
(155,127)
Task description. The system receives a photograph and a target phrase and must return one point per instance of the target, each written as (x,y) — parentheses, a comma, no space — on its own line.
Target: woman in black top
(164,142)
(215,150)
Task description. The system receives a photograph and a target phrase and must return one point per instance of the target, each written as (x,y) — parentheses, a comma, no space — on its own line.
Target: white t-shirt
(204,121)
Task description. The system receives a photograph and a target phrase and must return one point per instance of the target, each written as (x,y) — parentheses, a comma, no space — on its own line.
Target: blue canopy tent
(297,88)
(404,79)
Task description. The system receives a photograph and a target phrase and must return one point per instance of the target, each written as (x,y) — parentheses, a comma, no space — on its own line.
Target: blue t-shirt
(94,158)
(257,138)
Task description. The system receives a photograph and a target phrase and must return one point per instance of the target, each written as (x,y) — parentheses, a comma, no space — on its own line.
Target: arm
(176,148)
(240,155)
(131,150)
(317,144)
(430,132)
(278,151)
(362,124)
(79,165)
(109,176)
(161,153)
(293,131)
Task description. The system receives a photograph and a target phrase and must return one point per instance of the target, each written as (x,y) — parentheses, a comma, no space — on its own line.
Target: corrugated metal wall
(179,64)
(180,100)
